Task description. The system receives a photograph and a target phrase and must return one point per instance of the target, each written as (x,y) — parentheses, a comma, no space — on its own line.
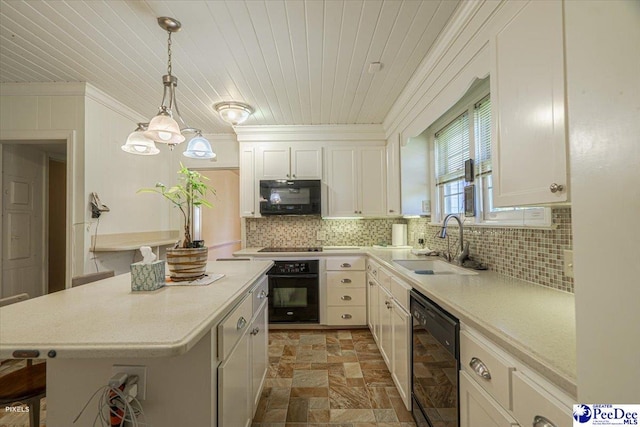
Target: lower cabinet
(243,350)
(401,336)
(478,409)
(385,340)
(346,291)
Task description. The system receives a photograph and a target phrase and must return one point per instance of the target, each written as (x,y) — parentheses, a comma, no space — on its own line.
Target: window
(468,136)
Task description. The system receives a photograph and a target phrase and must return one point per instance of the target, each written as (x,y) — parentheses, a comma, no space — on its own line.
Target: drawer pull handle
(255,331)
(480,368)
(346,316)
(345,281)
(262,294)
(345,265)
(540,421)
(345,298)
(242,322)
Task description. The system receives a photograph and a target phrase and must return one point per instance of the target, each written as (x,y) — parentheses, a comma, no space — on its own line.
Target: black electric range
(311,249)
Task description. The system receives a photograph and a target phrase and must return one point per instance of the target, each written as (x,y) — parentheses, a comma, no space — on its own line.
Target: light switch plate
(568,262)
(253,226)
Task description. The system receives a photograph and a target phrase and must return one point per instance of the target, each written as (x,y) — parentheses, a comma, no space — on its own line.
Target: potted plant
(188,262)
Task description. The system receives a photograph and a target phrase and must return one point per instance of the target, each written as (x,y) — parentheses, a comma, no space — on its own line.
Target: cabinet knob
(540,421)
(287,175)
(355,212)
(371,283)
(252,212)
(556,187)
(480,368)
(262,294)
(345,281)
(346,316)
(294,175)
(255,331)
(242,322)
(345,298)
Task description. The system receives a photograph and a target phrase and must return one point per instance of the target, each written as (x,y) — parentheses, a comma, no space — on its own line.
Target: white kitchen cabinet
(478,409)
(243,351)
(284,161)
(529,150)
(385,338)
(414,176)
(346,291)
(373,318)
(393,177)
(537,403)
(248,187)
(401,338)
(356,181)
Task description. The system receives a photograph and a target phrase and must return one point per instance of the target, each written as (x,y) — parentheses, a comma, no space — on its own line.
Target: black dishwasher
(435,364)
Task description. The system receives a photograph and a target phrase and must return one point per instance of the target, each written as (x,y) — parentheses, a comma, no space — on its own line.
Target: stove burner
(316,249)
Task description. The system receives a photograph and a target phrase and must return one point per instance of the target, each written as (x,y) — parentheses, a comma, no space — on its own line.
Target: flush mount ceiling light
(168,126)
(233,112)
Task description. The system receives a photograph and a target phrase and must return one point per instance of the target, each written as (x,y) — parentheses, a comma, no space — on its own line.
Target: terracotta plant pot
(187,263)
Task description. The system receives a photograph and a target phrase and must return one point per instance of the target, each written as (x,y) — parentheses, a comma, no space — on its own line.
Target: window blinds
(482,123)
(452,149)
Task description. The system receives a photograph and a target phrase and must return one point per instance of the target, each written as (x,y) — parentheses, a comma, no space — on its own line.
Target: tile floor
(328,378)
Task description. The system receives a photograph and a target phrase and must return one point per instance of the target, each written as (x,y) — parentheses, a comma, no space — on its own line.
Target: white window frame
(526,216)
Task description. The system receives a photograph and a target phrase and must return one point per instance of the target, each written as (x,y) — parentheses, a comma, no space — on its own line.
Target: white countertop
(107,319)
(534,323)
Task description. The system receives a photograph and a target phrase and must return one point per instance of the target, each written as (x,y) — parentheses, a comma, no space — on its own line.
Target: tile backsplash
(301,231)
(529,254)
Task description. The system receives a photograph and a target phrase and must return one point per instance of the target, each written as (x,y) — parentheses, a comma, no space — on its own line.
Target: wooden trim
(309,133)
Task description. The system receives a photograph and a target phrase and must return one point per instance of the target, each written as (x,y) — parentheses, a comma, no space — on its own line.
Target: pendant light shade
(162,128)
(233,112)
(137,143)
(199,148)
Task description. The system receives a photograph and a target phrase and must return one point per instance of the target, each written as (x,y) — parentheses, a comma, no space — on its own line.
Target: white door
(478,408)
(273,162)
(372,306)
(342,181)
(234,387)
(22,221)
(306,162)
(248,193)
(401,326)
(259,354)
(373,184)
(385,331)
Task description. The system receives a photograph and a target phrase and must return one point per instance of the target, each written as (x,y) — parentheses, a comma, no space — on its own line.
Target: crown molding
(403,106)
(309,133)
(106,100)
(43,89)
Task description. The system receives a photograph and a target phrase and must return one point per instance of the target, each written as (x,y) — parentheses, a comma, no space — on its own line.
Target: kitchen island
(84,331)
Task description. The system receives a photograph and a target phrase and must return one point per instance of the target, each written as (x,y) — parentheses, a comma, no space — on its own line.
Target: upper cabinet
(393,176)
(288,161)
(248,186)
(528,108)
(356,181)
(414,176)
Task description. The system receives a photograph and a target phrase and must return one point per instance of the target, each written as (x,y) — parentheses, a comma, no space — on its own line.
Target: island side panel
(181,391)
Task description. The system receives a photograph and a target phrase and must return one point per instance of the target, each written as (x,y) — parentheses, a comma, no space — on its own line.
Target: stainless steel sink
(436,267)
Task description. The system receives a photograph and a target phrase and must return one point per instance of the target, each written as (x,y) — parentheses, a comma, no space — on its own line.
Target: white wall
(603,71)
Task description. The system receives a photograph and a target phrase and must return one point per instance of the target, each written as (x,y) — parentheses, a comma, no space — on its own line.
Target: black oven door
(294,298)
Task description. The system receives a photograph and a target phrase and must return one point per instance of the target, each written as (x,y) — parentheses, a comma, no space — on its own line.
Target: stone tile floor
(332,378)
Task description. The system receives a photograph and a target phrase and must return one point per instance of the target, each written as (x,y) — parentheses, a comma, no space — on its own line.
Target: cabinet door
(259,357)
(306,162)
(248,188)
(384,331)
(372,307)
(372,181)
(478,409)
(393,177)
(342,182)
(234,388)
(528,107)
(273,162)
(401,338)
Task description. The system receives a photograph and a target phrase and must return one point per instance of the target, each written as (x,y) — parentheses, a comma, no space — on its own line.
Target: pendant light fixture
(168,126)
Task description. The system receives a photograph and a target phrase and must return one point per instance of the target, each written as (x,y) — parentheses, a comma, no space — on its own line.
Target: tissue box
(147,277)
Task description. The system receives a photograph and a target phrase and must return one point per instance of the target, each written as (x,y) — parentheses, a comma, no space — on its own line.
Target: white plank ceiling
(296,62)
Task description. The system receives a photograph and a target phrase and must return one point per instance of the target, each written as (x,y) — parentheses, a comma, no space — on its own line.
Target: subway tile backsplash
(529,254)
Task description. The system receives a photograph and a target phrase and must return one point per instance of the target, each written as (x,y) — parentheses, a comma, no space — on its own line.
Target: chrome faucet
(464,251)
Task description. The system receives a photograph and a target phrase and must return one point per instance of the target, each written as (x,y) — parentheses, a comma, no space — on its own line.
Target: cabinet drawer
(346,296)
(400,291)
(477,358)
(259,294)
(346,263)
(384,278)
(232,327)
(347,316)
(477,408)
(346,279)
(531,401)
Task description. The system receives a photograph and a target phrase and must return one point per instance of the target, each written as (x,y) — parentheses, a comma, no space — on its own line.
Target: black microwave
(290,197)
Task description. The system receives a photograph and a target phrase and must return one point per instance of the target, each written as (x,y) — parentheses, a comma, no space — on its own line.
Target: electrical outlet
(140,371)
(426,206)
(253,226)
(412,237)
(320,235)
(568,262)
